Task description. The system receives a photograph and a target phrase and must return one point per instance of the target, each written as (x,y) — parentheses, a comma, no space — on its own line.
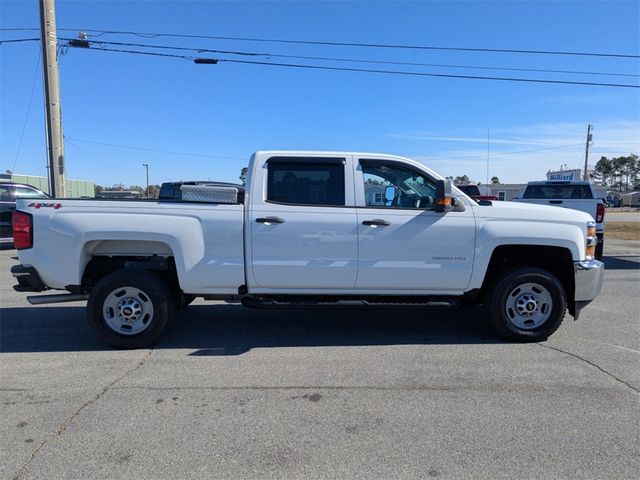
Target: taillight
(600,213)
(22,230)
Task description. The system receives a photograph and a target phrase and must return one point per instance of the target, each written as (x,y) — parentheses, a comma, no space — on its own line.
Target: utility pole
(586,152)
(146,165)
(53,108)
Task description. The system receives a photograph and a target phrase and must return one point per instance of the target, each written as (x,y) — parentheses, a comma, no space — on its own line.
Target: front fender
(495,233)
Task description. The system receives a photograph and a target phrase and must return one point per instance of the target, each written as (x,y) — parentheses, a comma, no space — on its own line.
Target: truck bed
(196,235)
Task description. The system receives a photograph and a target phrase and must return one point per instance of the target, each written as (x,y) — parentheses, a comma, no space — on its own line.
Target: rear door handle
(270,220)
(555,202)
(376,222)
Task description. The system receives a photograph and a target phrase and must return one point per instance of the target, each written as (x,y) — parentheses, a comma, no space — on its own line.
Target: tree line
(154,190)
(464,180)
(620,173)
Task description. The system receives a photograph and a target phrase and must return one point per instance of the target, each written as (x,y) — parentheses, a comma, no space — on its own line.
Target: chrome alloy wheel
(529,305)
(127,310)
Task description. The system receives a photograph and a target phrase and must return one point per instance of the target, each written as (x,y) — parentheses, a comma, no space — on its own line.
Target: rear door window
(306,182)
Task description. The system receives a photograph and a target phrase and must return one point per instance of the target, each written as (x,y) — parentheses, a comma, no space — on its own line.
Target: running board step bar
(268,303)
(58,298)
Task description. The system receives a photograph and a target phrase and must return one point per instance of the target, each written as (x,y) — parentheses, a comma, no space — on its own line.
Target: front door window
(387,185)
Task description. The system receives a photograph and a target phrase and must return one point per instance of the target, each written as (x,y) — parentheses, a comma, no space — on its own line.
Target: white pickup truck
(574,194)
(320,229)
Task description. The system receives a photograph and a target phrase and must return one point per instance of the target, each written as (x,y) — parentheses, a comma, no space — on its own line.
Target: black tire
(184,301)
(156,298)
(505,320)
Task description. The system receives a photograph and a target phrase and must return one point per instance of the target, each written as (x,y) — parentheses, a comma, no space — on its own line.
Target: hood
(528,211)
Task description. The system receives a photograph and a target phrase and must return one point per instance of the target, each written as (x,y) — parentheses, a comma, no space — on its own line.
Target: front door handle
(270,220)
(555,202)
(376,222)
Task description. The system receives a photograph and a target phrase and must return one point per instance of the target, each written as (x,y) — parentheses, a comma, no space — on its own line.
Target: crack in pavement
(589,362)
(67,423)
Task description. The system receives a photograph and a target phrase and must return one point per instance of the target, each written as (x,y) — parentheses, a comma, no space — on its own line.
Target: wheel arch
(102,257)
(556,260)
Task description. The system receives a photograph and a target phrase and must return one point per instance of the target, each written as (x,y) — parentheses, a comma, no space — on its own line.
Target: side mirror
(443,201)
(389,195)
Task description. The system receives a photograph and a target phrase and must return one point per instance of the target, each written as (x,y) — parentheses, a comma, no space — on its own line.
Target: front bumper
(28,279)
(588,283)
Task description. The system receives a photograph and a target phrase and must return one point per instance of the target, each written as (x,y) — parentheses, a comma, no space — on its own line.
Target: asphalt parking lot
(234,393)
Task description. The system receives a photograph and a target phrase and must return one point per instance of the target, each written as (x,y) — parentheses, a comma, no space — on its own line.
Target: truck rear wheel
(130,308)
(526,304)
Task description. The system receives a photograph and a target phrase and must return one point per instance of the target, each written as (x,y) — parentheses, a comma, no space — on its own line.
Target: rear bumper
(588,283)
(28,279)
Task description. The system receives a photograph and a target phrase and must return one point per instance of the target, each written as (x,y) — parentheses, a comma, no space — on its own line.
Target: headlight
(591,241)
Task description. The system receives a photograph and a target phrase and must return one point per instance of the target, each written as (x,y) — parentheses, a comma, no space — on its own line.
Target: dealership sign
(565,175)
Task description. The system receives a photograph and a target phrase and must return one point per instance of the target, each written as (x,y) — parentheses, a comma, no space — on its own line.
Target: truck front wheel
(130,308)
(526,304)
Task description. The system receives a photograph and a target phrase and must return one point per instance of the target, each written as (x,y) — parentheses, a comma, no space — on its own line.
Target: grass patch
(622,230)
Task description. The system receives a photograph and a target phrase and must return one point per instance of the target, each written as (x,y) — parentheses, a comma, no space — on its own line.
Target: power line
(138,52)
(364,70)
(98,33)
(73,144)
(164,47)
(340,59)
(352,60)
(19,40)
(131,147)
(357,44)
(423,74)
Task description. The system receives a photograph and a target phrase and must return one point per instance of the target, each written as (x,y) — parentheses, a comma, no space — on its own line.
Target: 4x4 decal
(55,206)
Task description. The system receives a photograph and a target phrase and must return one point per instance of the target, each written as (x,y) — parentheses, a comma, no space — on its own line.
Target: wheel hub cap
(127,310)
(529,305)
(526,304)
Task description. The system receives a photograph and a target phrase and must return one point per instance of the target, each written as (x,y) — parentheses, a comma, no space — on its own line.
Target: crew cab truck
(574,194)
(319,229)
